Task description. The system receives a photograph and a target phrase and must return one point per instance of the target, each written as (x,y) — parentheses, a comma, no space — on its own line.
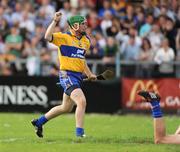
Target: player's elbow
(48,38)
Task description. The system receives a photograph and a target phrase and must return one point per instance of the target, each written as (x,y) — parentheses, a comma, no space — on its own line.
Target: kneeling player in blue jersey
(72,48)
(159,125)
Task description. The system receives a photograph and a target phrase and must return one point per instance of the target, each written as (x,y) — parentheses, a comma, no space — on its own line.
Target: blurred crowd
(147,30)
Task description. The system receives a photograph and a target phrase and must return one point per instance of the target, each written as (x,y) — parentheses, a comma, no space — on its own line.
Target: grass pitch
(105,133)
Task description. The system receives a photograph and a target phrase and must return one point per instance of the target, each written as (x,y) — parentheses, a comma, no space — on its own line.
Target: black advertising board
(39,94)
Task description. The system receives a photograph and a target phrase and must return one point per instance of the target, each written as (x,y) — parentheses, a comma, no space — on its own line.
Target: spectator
(178,53)
(33,57)
(110,51)
(16,16)
(173,5)
(93,4)
(74,3)
(4,15)
(119,7)
(94,22)
(170,33)
(83,7)
(178,18)
(46,63)
(132,32)
(163,10)
(96,52)
(129,18)
(114,29)
(4,28)
(148,6)
(41,19)
(47,8)
(27,23)
(39,33)
(28,7)
(146,54)
(146,28)
(13,42)
(155,37)
(106,7)
(162,22)
(2,46)
(100,39)
(65,10)
(106,22)
(164,56)
(140,20)
(178,42)
(130,50)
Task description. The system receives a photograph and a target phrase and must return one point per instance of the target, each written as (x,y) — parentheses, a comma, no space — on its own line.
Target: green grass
(105,133)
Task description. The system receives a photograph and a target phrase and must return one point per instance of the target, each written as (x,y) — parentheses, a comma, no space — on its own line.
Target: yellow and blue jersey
(71,51)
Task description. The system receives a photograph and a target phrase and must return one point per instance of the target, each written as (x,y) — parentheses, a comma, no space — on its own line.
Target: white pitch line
(10,140)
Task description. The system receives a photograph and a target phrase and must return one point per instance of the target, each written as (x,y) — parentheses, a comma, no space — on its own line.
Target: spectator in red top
(94,22)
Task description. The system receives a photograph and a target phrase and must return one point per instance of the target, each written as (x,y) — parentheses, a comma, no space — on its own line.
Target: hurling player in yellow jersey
(72,47)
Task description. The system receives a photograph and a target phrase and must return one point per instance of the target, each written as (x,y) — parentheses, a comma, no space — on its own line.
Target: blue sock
(79,131)
(42,120)
(156,109)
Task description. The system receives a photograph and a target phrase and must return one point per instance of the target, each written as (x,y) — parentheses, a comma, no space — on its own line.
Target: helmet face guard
(76,20)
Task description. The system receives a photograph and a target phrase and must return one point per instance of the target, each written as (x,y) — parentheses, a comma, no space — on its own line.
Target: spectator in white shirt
(16,16)
(155,37)
(164,57)
(27,22)
(106,22)
(48,8)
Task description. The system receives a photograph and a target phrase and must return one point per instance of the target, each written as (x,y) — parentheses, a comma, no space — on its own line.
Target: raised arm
(50,29)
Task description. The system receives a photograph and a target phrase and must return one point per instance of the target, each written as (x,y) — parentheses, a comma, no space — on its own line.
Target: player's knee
(157,141)
(67,109)
(81,102)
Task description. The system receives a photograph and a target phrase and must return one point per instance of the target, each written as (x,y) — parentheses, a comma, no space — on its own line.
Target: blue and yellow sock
(41,121)
(156,109)
(79,132)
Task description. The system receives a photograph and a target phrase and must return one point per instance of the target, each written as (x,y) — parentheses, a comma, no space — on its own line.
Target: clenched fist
(57,16)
